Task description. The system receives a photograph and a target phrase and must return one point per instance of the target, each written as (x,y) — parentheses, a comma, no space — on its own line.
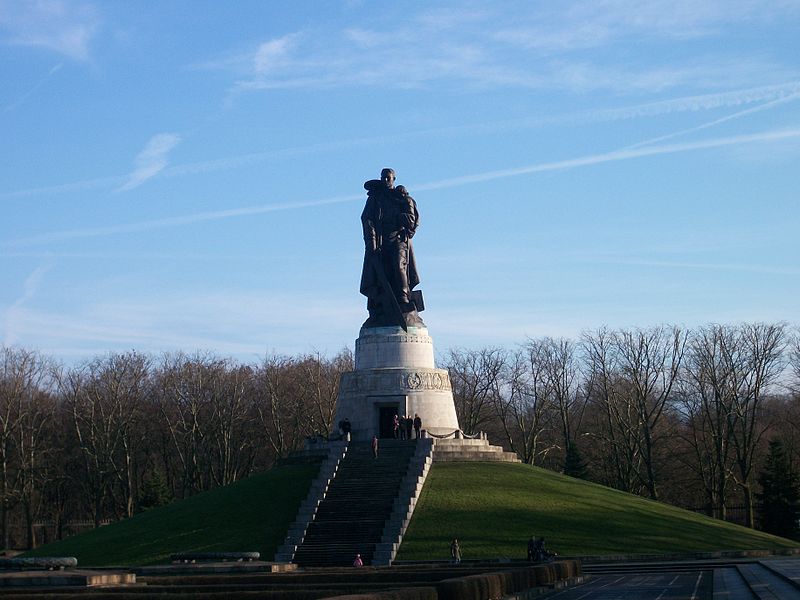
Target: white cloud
(591,23)
(544,46)
(151,160)
(273,54)
(63,27)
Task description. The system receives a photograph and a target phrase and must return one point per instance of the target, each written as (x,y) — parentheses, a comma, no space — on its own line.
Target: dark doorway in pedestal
(386,421)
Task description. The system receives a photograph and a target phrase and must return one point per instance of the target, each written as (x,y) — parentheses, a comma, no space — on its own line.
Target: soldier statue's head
(387,177)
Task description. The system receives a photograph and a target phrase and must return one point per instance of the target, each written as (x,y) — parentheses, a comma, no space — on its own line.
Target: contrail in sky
(616,155)
(594,159)
(35,87)
(735,115)
(773,94)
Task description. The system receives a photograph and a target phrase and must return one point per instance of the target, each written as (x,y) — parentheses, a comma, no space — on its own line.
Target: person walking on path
(455,551)
(417,425)
(375,446)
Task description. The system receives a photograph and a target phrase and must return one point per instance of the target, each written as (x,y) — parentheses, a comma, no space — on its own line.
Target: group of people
(537,551)
(402,426)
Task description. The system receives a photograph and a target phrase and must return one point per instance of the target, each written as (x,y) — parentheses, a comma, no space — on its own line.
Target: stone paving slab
(789,568)
(730,585)
(647,586)
(766,585)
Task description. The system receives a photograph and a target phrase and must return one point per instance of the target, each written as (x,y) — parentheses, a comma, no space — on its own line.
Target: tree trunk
(31,543)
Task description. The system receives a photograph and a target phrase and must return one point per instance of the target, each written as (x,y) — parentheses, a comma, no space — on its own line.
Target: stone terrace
(464,450)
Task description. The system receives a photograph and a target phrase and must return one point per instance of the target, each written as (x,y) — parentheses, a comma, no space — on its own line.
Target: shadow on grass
(250,515)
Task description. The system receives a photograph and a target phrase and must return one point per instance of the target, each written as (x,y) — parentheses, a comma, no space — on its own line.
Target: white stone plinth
(387,347)
(395,370)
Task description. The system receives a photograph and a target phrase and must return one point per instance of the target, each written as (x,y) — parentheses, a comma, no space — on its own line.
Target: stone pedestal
(395,374)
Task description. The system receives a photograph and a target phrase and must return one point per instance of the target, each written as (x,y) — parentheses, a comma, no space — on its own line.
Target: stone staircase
(357,504)
(362,505)
(316,494)
(469,450)
(395,527)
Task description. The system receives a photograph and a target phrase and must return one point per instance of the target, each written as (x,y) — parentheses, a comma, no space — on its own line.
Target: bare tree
(708,404)
(633,375)
(476,377)
(761,358)
(794,360)
(105,398)
(525,403)
(649,360)
(34,446)
(561,370)
(231,441)
(278,405)
(24,412)
(617,419)
(320,388)
(204,402)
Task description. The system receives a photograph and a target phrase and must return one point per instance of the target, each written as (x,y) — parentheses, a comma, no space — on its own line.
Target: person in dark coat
(417,425)
(409,425)
(455,551)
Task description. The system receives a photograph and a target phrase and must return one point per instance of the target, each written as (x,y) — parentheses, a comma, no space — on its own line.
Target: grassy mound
(494,508)
(251,515)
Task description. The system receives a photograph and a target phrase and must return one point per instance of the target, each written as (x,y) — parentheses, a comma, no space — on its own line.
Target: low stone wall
(414,593)
(481,586)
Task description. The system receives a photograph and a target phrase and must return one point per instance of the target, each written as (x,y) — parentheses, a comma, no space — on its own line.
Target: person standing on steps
(455,551)
(409,425)
(402,427)
(417,425)
(358,562)
(396,427)
(375,446)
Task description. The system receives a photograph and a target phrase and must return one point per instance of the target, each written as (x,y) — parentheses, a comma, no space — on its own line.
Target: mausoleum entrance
(386,420)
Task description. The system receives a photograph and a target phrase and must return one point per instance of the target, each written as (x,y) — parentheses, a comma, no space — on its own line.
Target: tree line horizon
(680,415)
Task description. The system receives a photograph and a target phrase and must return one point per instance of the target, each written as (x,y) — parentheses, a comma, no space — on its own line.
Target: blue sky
(188,175)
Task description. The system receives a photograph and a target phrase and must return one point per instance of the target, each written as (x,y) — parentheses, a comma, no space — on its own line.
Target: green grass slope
(251,515)
(493,508)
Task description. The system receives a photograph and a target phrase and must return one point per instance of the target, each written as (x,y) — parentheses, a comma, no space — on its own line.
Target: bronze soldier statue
(389,220)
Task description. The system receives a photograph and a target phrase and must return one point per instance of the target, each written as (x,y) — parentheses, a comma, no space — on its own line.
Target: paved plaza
(770,579)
